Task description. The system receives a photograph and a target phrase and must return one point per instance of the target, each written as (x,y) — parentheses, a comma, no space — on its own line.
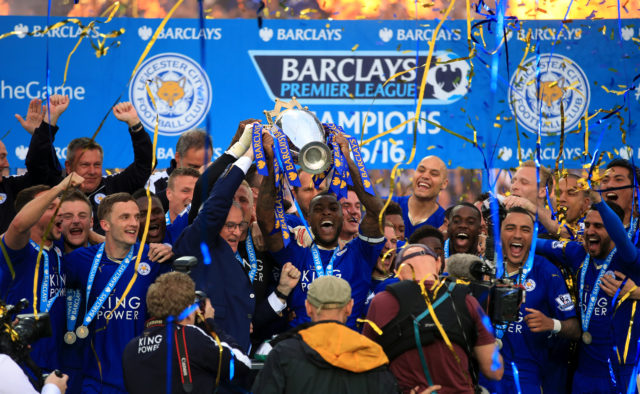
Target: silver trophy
(305,134)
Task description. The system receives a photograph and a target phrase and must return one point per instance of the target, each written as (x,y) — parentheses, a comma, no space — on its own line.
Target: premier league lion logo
(181,91)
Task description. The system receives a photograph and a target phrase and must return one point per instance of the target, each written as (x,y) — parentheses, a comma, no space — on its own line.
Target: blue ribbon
(90,315)
(73,307)
(45,301)
(317,261)
(591,304)
(516,377)
(251,254)
(285,159)
(258,150)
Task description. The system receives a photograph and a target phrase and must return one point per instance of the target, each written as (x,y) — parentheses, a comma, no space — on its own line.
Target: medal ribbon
(73,308)
(446,249)
(110,285)
(45,301)
(285,158)
(317,261)
(596,287)
(251,254)
(258,150)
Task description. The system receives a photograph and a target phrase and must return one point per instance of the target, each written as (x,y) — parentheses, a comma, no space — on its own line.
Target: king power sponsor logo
(345,77)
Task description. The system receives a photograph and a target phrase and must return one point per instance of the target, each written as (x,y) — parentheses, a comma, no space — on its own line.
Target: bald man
(422,206)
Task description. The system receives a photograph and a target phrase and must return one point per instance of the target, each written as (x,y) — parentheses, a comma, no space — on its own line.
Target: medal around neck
(69,337)
(82,332)
(587,338)
(305,135)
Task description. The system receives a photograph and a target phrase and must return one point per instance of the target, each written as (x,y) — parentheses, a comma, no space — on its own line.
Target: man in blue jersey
(607,324)
(421,207)
(354,263)
(465,223)
(384,271)
(20,265)
(546,311)
(114,284)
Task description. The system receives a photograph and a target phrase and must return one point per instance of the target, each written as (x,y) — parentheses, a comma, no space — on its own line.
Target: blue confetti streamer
(206,256)
(169,353)
(516,377)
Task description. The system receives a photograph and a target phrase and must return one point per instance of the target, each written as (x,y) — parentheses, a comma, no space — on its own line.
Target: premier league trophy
(306,135)
(300,138)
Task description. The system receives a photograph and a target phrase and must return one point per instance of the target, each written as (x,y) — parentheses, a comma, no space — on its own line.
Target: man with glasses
(222,273)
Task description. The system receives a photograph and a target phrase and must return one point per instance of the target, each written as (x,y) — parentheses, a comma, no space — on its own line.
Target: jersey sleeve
(369,249)
(558,296)
(569,254)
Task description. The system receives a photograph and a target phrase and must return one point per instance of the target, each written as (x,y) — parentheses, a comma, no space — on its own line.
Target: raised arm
(265,206)
(369,226)
(209,177)
(19,231)
(136,174)
(616,229)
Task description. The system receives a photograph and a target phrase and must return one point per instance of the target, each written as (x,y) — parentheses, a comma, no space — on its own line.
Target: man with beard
(620,174)
(20,245)
(352,214)
(463,230)
(605,251)
(422,207)
(547,310)
(116,285)
(354,263)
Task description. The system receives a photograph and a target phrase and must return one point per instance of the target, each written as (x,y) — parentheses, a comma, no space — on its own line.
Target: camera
(500,298)
(16,338)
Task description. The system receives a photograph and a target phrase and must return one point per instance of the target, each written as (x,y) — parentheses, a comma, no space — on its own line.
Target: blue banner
(339,70)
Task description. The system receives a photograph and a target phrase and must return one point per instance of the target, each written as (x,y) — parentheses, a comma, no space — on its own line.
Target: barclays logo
(266,34)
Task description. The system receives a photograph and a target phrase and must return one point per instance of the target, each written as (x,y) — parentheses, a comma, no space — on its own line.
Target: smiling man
(547,310)
(26,234)
(620,174)
(354,263)
(117,286)
(605,251)
(464,230)
(352,214)
(422,207)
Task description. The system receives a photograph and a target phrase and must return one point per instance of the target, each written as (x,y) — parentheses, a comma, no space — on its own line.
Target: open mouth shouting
(462,241)
(423,185)
(516,249)
(593,244)
(326,229)
(611,196)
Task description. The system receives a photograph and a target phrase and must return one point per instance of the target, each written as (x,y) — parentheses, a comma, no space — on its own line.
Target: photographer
(459,318)
(15,381)
(211,361)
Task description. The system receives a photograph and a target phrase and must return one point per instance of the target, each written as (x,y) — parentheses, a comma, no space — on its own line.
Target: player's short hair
(619,162)
(74,194)
(425,231)
(393,209)
(546,180)
(107,203)
(28,194)
(170,295)
(182,171)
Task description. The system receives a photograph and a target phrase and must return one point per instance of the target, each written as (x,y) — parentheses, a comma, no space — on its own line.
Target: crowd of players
(575,330)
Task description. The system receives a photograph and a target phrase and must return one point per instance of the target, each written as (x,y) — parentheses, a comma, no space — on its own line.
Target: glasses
(230,226)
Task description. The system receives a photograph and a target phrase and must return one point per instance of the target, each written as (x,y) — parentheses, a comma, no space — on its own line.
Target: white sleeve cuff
(50,388)
(277,305)
(371,240)
(243,163)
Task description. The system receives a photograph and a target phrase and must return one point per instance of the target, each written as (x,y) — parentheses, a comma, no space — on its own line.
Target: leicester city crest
(181,90)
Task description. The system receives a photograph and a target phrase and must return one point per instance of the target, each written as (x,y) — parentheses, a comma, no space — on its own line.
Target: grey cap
(329,292)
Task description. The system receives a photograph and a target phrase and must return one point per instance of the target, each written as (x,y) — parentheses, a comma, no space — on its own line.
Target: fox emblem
(170,91)
(550,92)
